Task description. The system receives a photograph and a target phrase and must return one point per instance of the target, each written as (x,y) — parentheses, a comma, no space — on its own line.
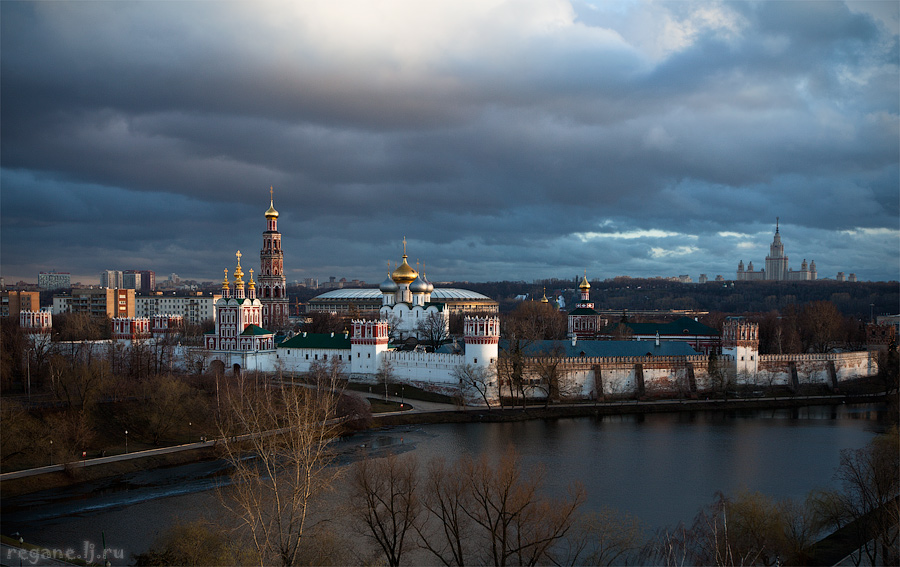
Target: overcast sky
(505,140)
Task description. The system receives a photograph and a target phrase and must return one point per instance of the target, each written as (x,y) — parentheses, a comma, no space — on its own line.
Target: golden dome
(238,272)
(584,283)
(404,273)
(225,282)
(271,213)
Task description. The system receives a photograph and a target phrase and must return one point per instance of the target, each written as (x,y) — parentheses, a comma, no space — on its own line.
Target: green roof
(604,349)
(583,311)
(255,330)
(339,341)
(684,326)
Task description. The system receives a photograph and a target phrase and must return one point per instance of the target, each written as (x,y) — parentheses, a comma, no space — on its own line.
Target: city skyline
(505,141)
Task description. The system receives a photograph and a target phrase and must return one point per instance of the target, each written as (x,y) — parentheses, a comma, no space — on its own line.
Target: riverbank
(27,482)
(628,407)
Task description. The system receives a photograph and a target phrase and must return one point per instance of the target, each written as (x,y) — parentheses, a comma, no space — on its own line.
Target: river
(658,467)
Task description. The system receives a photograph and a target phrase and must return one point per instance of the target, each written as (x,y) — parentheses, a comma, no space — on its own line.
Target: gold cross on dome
(238,254)
(404,246)
(271,193)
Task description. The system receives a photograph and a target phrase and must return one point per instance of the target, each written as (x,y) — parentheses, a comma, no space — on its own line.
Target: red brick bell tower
(272,291)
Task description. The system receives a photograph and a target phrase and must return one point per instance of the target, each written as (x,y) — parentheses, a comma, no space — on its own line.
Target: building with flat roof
(195,308)
(13,302)
(97,302)
(54,280)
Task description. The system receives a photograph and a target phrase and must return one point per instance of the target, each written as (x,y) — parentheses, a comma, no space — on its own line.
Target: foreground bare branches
(480,511)
(277,440)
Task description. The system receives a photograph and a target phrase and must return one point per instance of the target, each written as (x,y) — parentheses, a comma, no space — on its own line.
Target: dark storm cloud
(505,140)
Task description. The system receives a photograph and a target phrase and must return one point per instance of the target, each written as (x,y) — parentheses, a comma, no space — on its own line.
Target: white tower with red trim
(482,340)
(368,343)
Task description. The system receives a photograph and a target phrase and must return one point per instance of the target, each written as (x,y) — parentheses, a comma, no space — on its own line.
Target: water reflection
(658,467)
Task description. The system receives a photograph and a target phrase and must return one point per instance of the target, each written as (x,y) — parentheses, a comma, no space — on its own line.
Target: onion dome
(404,274)
(389,285)
(225,281)
(251,284)
(544,299)
(418,286)
(584,283)
(430,285)
(238,272)
(271,213)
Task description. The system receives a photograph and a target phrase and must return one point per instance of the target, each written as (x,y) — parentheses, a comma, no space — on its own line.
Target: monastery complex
(683,356)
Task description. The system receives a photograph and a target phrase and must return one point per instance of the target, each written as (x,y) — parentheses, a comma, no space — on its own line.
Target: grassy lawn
(406,390)
(379,405)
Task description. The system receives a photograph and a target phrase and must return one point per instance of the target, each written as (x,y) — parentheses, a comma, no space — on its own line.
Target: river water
(658,467)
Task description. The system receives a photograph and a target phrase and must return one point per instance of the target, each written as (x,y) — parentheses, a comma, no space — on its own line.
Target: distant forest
(858,299)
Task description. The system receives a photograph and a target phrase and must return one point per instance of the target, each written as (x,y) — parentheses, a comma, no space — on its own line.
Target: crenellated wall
(797,369)
(428,367)
(644,375)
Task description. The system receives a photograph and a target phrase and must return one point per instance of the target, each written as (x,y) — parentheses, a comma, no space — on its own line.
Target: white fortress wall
(424,367)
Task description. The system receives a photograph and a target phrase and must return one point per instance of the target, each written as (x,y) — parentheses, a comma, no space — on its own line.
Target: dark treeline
(858,299)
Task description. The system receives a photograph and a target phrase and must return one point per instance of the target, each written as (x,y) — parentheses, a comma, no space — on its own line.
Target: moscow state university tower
(272,283)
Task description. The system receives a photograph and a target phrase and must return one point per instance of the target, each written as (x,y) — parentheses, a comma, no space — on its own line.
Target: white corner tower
(368,344)
(482,336)
(740,340)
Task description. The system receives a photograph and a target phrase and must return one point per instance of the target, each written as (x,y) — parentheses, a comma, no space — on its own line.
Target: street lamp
(190,425)
(126,441)
(51,452)
(401,395)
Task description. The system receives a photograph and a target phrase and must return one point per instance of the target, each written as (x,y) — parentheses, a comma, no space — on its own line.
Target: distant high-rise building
(54,280)
(131,279)
(112,279)
(703,279)
(148,280)
(777,265)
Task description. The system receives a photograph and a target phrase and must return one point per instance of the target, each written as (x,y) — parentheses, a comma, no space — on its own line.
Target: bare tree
(448,533)
(288,430)
(870,478)
(477,378)
(168,403)
(820,325)
(385,374)
(553,382)
(605,537)
(434,329)
(514,522)
(494,513)
(385,501)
